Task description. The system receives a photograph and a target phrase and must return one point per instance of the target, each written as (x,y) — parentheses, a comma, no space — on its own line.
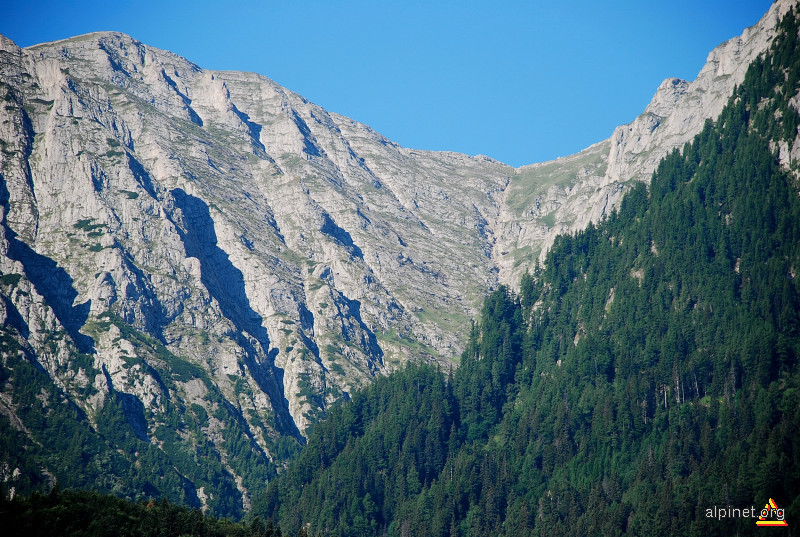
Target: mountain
(645,381)
(196,264)
(565,195)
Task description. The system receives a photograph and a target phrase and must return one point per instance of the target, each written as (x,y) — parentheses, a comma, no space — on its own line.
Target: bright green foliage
(649,372)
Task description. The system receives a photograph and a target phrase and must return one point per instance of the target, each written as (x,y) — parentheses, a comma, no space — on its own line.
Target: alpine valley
(218,293)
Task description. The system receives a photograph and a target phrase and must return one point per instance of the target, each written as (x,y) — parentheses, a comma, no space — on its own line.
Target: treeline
(91,514)
(647,374)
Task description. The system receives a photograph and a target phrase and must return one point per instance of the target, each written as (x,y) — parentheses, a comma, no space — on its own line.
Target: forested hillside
(76,513)
(646,374)
(196,265)
(114,454)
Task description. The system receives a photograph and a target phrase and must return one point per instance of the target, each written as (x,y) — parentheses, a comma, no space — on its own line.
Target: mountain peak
(182,242)
(585,187)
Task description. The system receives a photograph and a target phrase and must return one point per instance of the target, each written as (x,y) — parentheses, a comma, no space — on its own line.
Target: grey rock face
(290,253)
(156,213)
(567,194)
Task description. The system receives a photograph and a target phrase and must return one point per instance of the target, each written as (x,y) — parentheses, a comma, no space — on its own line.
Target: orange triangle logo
(771,516)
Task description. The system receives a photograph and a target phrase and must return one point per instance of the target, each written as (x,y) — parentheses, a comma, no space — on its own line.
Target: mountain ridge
(179,243)
(594,179)
(646,374)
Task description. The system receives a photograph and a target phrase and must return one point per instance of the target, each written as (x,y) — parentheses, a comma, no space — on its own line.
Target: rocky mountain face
(564,195)
(211,252)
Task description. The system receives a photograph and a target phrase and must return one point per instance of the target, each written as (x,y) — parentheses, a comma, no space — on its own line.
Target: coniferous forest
(645,373)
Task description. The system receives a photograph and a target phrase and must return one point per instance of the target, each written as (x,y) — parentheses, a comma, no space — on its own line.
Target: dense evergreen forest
(646,374)
(75,513)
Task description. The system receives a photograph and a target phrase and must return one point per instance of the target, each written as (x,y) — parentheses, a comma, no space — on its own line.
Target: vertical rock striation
(217,256)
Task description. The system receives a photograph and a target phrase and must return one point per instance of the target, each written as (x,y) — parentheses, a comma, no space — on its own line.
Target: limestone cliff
(566,194)
(159,216)
(187,243)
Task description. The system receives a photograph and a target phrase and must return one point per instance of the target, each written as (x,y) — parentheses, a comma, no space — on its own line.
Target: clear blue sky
(519,81)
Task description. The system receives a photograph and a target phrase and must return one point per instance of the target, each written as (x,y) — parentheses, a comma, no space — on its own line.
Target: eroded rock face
(566,194)
(161,217)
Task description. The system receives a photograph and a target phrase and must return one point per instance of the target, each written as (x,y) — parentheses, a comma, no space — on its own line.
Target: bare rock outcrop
(156,216)
(567,194)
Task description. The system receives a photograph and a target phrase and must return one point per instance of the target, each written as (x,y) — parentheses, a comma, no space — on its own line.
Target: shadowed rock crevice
(143,295)
(270,380)
(13,319)
(306,318)
(134,414)
(141,175)
(225,283)
(113,58)
(367,340)
(339,235)
(186,100)
(223,280)
(310,146)
(253,128)
(56,286)
(132,407)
